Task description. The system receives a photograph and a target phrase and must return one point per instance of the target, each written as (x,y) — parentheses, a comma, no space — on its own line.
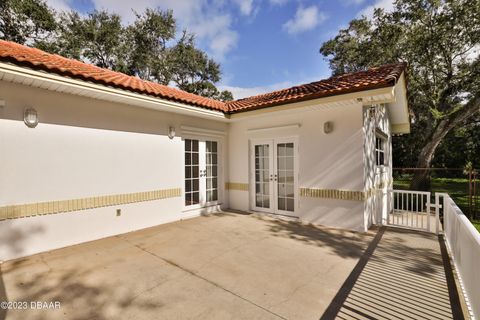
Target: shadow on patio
(237,266)
(91,297)
(3,296)
(404,277)
(403,274)
(344,243)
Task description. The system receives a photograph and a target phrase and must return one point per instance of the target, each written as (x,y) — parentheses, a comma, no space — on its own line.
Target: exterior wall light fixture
(30,117)
(171,132)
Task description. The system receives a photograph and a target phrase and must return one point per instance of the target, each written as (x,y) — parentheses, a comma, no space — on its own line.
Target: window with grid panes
(285,169)
(192,180)
(211,158)
(379,151)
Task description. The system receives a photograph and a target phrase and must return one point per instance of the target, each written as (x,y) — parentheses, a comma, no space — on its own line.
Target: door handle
(275,177)
(271,177)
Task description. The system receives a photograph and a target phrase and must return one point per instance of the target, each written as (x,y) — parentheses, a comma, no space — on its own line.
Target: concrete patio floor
(232,266)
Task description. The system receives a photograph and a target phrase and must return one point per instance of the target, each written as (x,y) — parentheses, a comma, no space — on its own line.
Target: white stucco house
(112,153)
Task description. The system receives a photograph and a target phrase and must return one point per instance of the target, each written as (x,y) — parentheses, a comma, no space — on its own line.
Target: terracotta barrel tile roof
(38,59)
(379,77)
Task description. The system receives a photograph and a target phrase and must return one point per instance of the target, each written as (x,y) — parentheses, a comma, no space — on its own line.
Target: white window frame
(382,150)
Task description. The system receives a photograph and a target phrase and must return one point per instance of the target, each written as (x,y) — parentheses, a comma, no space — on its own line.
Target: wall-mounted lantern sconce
(171,132)
(30,117)
(328,127)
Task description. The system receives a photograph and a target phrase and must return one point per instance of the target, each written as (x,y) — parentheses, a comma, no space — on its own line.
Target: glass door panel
(263,176)
(192,176)
(286,177)
(201,172)
(211,173)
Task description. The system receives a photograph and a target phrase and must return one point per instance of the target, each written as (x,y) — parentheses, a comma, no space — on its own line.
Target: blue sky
(262,45)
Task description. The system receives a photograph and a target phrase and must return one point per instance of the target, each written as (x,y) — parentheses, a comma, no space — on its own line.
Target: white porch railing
(463,242)
(413,210)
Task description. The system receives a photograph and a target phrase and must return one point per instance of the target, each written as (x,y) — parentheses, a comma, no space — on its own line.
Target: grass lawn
(476,224)
(457,188)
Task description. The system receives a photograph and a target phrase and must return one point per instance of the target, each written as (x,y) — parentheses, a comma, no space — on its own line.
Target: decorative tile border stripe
(380,186)
(236,186)
(53,207)
(332,194)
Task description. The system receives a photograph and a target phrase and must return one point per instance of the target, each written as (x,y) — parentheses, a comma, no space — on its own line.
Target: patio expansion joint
(194,274)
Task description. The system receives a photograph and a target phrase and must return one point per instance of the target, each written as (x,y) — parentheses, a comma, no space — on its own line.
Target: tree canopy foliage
(440,41)
(26,21)
(148,48)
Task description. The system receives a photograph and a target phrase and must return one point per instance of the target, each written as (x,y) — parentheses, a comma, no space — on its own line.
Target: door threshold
(279,216)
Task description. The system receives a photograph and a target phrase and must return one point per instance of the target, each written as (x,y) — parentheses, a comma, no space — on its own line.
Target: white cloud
(387,5)
(246,6)
(222,43)
(244,92)
(59,5)
(209,20)
(473,53)
(305,19)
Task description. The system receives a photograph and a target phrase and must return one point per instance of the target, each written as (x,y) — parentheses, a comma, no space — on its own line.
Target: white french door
(201,172)
(274,167)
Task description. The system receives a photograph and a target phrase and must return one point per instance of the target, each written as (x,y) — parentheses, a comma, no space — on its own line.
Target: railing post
(428,210)
(445,220)
(390,204)
(437,213)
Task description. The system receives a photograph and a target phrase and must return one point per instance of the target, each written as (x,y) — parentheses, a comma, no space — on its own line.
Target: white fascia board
(103,92)
(202,131)
(398,109)
(267,129)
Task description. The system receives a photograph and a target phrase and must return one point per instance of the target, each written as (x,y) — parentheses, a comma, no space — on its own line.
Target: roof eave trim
(389,84)
(69,74)
(364,94)
(131,97)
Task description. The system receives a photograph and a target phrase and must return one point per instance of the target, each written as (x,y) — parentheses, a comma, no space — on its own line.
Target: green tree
(148,38)
(98,38)
(438,39)
(193,71)
(26,21)
(147,48)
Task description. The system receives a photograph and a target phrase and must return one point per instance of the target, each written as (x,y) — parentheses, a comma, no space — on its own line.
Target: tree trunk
(421,178)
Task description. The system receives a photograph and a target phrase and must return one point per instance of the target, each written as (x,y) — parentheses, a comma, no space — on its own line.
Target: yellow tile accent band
(333,194)
(236,186)
(380,186)
(54,207)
